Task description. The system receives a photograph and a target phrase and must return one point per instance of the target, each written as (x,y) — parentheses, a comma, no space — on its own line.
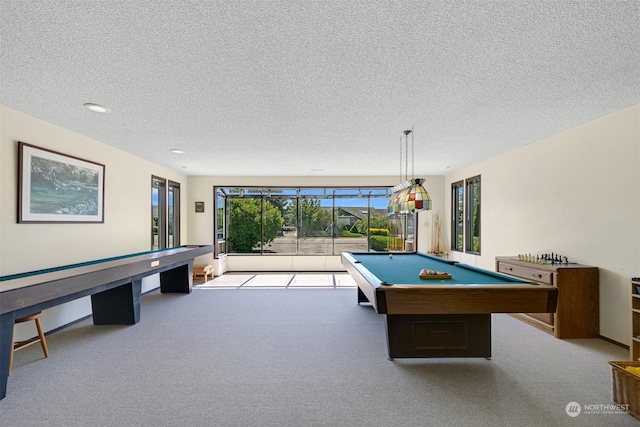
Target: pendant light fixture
(409,195)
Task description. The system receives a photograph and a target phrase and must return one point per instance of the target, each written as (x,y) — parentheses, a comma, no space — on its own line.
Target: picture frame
(54,187)
(199,206)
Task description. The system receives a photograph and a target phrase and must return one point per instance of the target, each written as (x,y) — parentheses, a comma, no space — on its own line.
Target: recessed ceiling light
(97,108)
(177,151)
(316,170)
(446,167)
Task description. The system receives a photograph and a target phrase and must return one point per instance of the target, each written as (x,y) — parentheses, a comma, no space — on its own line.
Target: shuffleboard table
(440,317)
(114,285)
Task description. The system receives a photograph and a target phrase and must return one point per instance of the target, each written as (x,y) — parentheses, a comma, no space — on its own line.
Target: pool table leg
(438,335)
(361,297)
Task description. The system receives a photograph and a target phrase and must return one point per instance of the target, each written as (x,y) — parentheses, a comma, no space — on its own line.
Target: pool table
(440,317)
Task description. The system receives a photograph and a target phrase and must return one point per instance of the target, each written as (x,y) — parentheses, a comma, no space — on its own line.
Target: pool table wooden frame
(444,320)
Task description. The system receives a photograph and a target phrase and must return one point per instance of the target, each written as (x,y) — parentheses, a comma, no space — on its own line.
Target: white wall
(426,219)
(576,193)
(127,209)
(201,224)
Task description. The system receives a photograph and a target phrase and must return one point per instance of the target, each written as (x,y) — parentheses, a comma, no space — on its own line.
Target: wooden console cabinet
(578,311)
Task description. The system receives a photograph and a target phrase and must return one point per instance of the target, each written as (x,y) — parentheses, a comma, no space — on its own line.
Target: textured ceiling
(280,87)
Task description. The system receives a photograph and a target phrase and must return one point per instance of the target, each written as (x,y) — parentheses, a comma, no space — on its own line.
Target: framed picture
(55,187)
(199,206)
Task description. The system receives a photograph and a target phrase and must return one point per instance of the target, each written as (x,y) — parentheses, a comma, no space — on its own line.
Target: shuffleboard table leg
(6,334)
(117,306)
(178,280)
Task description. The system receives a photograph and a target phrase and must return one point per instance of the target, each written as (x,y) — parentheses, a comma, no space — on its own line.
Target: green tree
(251,227)
(281,204)
(375,221)
(314,220)
(289,213)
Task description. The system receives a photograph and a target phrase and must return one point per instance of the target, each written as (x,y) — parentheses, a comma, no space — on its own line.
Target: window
(472,218)
(174,214)
(220,224)
(457,216)
(315,221)
(308,221)
(465,215)
(165,213)
(347,208)
(158,213)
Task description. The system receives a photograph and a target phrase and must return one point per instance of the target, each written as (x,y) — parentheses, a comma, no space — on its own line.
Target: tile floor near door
(278,281)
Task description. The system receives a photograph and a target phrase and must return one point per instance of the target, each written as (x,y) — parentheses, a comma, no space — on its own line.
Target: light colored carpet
(310,357)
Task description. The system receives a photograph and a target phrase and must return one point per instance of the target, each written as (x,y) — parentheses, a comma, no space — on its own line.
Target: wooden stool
(15,346)
(202,272)
(198,272)
(208,271)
